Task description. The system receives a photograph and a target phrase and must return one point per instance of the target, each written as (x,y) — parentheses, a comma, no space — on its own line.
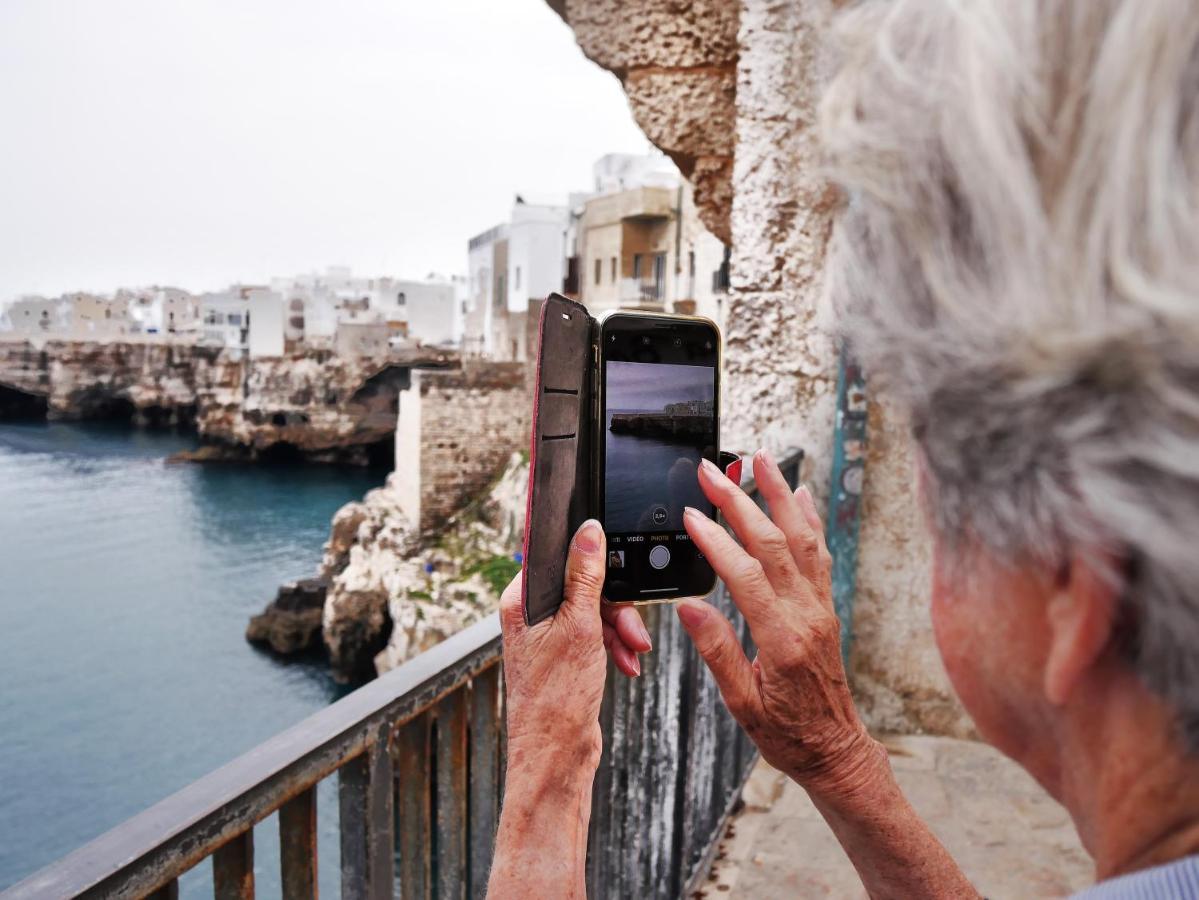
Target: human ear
(1080,615)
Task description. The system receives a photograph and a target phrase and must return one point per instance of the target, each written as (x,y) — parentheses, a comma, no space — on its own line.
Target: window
(599,266)
(691,263)
(613,268)
(401,299)
(516,280)
(636,265)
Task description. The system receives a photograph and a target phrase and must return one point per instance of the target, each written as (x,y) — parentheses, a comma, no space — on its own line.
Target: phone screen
(659,417)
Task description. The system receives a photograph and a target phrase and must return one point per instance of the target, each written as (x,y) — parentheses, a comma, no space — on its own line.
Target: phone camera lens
(678,342)
(707,345)
(645,340)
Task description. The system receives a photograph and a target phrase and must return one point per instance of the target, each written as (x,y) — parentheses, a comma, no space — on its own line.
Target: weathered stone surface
(677,61)
(688,113)
(713,179)
(769,201)
(395,591)
(291,623)
(625,34)
(466,424)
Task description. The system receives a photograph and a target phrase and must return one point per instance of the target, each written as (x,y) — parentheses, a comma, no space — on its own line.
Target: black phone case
(560,455)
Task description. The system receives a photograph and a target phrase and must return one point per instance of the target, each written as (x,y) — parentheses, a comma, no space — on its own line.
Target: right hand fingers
(717,644)
(764,540)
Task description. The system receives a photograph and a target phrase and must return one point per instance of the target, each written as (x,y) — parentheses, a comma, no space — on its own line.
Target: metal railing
(641,292)
(419,758)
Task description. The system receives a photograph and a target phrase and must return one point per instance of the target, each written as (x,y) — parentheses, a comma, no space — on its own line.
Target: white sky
(202,142)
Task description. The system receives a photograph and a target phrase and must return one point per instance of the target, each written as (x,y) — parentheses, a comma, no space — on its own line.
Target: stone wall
(729,88)
(456,429)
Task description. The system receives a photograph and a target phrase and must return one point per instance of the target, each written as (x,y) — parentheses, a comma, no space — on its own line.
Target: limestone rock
(291,623)
(394,593)
(314,406)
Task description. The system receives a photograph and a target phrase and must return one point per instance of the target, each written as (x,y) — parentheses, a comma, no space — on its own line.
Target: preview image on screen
(659,421)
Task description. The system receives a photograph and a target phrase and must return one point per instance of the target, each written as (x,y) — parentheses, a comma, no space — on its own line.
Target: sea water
(126,584)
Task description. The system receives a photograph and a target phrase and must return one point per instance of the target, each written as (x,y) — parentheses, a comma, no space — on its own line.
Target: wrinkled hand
(554,671)
(793,699)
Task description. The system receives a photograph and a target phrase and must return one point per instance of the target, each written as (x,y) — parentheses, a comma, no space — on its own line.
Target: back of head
(1019,262)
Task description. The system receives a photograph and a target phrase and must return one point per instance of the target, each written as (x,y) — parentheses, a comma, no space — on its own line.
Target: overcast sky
(201,142)
(634,385)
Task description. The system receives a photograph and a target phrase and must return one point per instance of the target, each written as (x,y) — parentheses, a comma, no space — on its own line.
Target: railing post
(451,797)
(484,775)
(367,823)
(233,868)
(297,847)
(415,828)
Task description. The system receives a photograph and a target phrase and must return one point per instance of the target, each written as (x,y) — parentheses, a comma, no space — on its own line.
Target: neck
(1132,789)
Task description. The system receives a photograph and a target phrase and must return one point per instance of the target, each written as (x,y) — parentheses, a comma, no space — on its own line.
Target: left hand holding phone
(554,671)
(554,675)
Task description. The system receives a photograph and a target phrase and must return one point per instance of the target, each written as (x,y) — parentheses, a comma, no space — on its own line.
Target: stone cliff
(387,592)
(315,406)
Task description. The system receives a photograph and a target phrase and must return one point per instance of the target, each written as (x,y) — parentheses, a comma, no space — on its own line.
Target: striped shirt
(1178,880)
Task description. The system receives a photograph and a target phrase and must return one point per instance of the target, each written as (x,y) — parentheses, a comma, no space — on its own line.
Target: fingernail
(691,614)
(644,632)
(765,456)
(709,466)
(588,537)
(636,664)
(806,494)
(692,513)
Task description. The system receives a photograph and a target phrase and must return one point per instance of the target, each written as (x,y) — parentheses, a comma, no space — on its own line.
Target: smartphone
(657,415)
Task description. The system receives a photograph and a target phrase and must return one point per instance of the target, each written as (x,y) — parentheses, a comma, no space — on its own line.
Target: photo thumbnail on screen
(659,421)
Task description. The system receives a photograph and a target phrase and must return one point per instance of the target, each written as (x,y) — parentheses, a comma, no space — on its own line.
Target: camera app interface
(659,420)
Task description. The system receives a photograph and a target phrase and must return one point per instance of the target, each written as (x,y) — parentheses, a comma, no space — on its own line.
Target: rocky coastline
(385,592)
(310,406)
(661,425)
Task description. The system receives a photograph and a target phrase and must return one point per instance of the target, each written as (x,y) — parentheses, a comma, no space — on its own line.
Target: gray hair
(1019,262)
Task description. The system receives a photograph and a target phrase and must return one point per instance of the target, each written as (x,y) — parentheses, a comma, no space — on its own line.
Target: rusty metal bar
(412,808)
(451,797)
(154,847)
(297,847)
(365,790)
(484,775)
(233,868)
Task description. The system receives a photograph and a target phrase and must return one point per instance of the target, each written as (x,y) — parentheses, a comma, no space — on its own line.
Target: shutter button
(659,557)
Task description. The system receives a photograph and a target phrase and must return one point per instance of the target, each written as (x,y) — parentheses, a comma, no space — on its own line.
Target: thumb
(585,569)
(717,643)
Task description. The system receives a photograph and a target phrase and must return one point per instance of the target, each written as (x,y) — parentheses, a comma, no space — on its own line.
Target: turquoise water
(125,590)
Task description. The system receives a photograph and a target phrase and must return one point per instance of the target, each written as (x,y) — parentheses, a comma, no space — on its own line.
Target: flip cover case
(560,455)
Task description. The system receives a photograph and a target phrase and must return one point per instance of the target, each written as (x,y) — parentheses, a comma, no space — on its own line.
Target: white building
(615,172)
(512,268)
(37,315)
(225,319)
(266,322)
(429,310)
(163,311)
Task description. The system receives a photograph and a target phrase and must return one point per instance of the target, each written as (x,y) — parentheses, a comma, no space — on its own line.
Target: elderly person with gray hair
(1017,262)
